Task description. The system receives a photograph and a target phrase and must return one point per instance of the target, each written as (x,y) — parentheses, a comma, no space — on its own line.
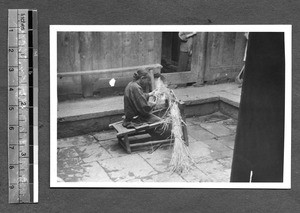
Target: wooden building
(86,61)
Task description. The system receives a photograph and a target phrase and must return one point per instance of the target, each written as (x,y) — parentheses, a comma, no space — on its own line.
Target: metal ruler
(22,106)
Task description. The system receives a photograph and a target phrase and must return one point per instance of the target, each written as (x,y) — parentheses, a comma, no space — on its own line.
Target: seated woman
(137,107)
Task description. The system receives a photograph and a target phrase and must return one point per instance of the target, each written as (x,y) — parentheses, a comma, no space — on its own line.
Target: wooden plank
(101,54)
(121,142)
(96,50)
(130,42)
(116,45)
(119,127)
(156,124)
(141,48)
(157,47)
(68,61)
(181,107)
(198,56)
(126,141)
(220,57)
(111,125)
(110,71)
(86,61)
(152,143)
(149,45)
(142,127)
(228,49)
(240,45)
(67,49)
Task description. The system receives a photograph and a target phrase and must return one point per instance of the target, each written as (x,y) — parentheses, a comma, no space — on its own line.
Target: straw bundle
(181,158)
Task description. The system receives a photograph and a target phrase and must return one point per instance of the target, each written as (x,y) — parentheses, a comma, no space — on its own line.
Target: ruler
(22,106)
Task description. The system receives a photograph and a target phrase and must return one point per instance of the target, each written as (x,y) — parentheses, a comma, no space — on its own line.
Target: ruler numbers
(20,86)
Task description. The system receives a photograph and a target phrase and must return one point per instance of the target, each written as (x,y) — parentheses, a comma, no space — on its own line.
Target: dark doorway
(170,51)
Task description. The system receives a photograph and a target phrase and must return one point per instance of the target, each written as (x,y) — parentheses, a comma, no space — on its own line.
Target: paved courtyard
(98,157)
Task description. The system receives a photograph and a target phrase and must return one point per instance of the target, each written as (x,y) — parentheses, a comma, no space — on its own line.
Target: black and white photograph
(174,106)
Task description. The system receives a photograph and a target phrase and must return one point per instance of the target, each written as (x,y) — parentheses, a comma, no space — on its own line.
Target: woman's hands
(152,101)
(152,93)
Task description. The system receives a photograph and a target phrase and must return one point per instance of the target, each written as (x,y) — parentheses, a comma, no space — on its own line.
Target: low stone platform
(97,157)
(83,116)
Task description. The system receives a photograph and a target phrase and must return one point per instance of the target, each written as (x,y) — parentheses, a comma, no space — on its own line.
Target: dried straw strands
(181,158)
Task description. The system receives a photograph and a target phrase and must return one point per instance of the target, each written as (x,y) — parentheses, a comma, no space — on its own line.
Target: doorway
(170,52)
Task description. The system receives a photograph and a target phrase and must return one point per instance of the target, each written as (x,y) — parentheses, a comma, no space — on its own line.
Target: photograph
(170,106)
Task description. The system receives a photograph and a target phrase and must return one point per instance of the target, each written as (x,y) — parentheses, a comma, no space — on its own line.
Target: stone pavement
(98,157)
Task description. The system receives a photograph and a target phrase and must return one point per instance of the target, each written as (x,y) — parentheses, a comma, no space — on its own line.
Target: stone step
(82,116)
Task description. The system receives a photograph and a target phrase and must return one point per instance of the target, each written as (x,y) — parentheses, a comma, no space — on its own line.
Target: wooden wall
(216,56)
(106,50)
(224,57)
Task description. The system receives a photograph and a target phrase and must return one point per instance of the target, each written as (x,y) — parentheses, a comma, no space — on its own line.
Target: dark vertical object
(259,143)
(86,62)
(175,47)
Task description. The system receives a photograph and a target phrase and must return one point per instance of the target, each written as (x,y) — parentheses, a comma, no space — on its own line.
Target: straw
(181,159)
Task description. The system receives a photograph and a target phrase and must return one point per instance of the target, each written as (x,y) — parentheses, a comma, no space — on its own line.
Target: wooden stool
(123,133)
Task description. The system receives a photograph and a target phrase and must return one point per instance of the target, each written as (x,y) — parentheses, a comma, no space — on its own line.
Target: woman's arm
(140,100)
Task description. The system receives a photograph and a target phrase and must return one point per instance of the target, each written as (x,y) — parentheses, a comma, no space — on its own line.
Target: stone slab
(200,152)
(195,175)
(227,162)
(92,152)
(216,145)
(216,129)
(159,159)
(113,148)
(211,118)
(230,124)
(126,168)
(199,134)
(228,141)
(75,141)
(93,172)
(105,135)
(215,171)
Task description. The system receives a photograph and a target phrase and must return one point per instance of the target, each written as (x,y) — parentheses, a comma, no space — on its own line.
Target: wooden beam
(111,71)
(152,142)
(198,62)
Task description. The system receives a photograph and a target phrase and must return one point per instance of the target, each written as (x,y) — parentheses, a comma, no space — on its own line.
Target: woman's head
(142,76)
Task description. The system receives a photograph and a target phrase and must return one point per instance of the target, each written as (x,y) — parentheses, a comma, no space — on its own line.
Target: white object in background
(112,82)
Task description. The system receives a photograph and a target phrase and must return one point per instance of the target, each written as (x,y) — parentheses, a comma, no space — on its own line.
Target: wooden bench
(124,134)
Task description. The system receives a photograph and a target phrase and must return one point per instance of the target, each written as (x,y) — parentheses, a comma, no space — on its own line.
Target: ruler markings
(22,172)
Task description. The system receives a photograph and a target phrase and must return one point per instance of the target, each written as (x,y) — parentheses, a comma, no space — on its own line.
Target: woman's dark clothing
(138,111)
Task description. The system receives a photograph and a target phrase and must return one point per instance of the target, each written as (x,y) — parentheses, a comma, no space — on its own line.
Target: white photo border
(286,29)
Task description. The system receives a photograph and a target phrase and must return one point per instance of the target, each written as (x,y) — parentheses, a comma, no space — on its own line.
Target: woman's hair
(140,73)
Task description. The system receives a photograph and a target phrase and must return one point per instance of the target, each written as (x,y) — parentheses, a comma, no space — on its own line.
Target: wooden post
(127,144)
(86,62)
(199,57)
(181,107)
